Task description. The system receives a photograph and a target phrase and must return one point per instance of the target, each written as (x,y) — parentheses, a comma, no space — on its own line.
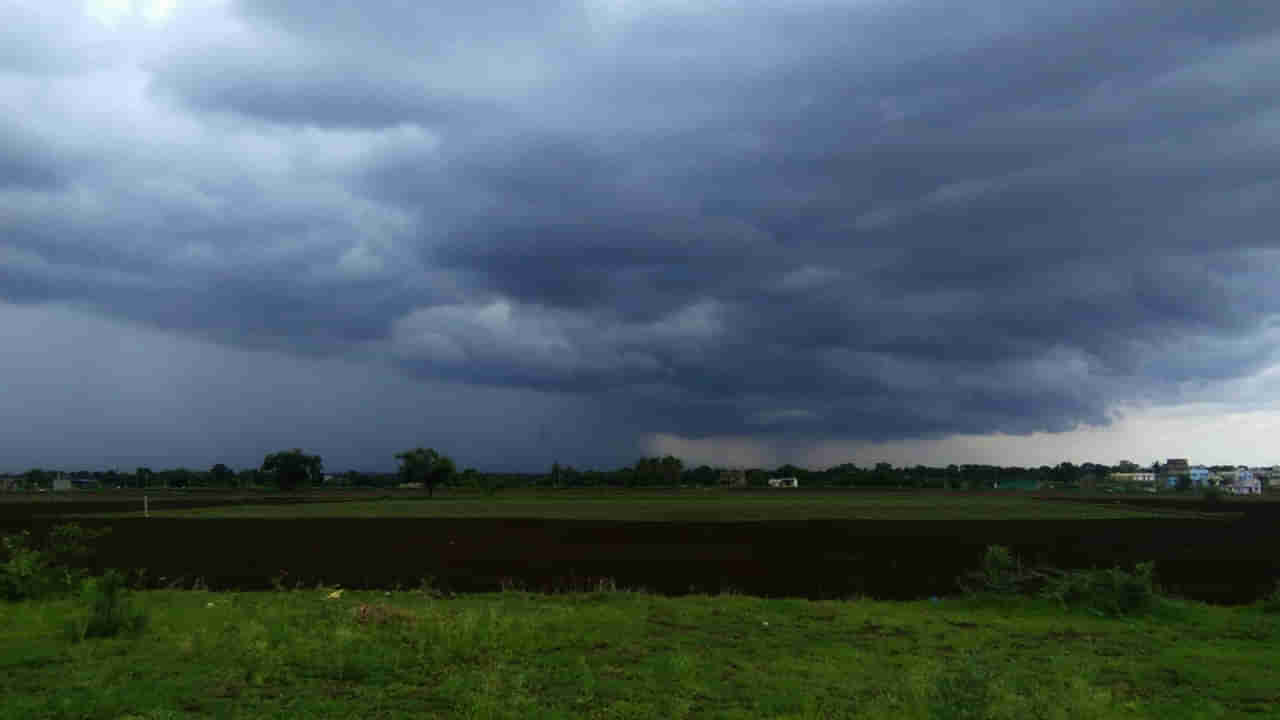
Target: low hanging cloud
(802,223)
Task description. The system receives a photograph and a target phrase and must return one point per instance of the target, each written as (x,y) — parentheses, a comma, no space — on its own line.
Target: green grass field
(699,506)
(615,654)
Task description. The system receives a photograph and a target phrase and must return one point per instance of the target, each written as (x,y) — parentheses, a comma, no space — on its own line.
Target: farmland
(645,604)
(694,506)
(812,543)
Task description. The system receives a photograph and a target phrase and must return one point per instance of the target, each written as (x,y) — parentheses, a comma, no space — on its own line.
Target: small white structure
(788,482)
(62,482)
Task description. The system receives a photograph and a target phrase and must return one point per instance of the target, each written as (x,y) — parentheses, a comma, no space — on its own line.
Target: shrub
(72,544)
(108,609)
(1111,592)
(1000,573)
(30,572)
(26,574)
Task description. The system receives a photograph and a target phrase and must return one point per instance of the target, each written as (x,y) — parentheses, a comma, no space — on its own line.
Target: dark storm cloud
(317,92)
(862,220)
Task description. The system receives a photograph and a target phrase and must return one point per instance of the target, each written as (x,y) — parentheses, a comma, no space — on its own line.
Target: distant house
(1198,475)
(61,482)
(787,482)
(1241,481)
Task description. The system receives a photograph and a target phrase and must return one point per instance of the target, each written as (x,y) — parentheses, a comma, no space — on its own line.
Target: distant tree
(177,477)
(648,471)
(222,476)
(556,474)
(789,470)
(670,468)
(1184,483)
(292,468)
(701,476)
(142,476)
(570,477)
(883,474)
(489,483)
(426,466)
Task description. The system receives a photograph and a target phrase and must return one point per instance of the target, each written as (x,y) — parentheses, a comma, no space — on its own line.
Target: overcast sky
(742,232)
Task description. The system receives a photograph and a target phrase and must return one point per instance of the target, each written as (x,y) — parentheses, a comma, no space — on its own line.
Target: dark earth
(1228,561)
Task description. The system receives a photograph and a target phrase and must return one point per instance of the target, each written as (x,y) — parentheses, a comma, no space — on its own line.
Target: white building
(62,482)
(788,482)
(1142,477)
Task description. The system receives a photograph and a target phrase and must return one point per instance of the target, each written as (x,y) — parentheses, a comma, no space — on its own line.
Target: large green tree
(292,468)
(426,466)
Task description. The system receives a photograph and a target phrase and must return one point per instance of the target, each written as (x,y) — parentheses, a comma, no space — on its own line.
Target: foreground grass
(701,506)
(632,655)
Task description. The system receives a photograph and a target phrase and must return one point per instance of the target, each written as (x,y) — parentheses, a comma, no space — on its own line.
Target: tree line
(426,467)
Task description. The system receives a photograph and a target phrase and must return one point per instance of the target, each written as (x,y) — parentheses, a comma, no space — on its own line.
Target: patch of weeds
(1271,603)
(999,573)
(31,572)
(279,581)
(427,588)
(1114,592)
(108,609)
(1111,592)
(27,572)
(366,614)
(963,690)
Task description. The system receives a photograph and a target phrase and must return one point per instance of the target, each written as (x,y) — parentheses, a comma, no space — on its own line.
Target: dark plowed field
(1217,561)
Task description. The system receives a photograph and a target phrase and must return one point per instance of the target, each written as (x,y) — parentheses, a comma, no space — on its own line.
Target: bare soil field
(1228,560)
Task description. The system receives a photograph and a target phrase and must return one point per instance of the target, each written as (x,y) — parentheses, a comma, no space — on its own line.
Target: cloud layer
(804,222)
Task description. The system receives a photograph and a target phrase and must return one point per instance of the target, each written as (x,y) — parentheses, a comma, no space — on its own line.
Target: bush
(26,574)
(1113,592)
(109,609)
(30,572)
(72,544)
(1000,573)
